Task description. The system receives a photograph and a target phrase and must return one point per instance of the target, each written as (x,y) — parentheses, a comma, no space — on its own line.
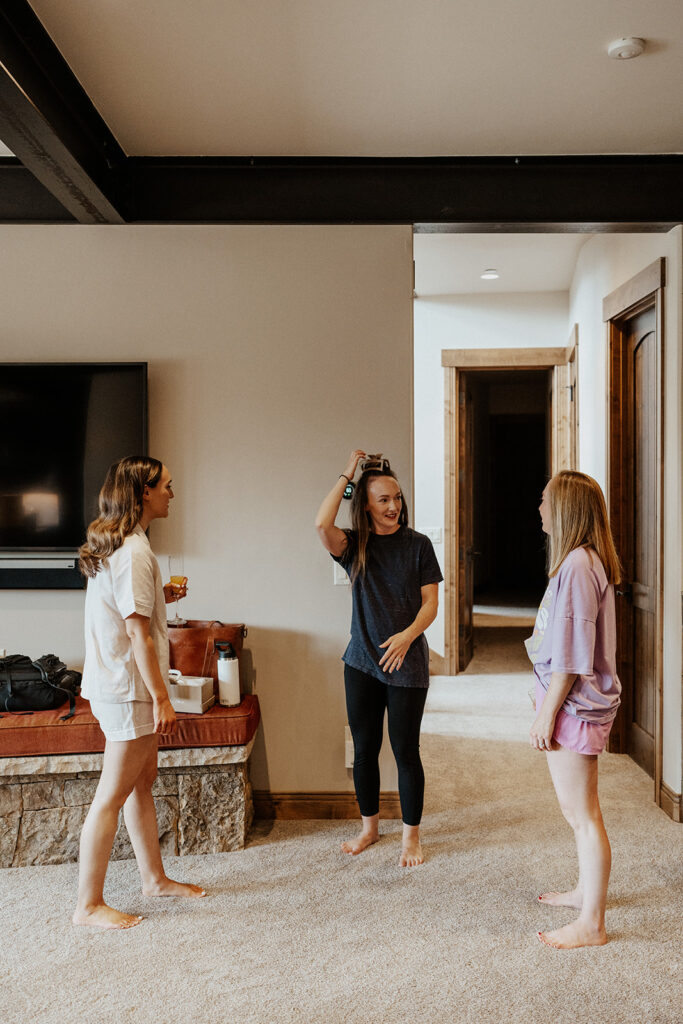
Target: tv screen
(63,424)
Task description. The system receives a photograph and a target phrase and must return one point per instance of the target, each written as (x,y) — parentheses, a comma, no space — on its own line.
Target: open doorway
(511,460)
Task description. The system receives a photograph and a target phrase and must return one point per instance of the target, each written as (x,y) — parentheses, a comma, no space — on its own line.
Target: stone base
(201,808)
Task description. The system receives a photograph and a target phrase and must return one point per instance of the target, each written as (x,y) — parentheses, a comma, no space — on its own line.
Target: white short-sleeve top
(129,581)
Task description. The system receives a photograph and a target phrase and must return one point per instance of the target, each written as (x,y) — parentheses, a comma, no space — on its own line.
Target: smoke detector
(625,49)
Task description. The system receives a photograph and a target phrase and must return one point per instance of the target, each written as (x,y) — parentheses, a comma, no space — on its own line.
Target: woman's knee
(581,815)
(147,778)
(367,743)
(406,752)
(569,813)
(112,797)
(366,754)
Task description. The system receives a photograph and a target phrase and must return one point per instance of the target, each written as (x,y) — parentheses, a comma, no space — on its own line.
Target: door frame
(644,291)
(564,448)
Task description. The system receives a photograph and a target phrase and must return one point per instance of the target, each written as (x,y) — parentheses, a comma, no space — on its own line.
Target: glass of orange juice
(178,580)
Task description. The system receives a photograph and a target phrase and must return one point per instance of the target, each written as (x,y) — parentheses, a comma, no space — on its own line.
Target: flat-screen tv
(62,425)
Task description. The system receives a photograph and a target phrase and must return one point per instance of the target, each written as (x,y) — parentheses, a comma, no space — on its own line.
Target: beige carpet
(296,932)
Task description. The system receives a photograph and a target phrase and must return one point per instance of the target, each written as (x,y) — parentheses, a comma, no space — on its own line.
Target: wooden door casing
(465,506)
(456,362)
(633,313)
(641,570)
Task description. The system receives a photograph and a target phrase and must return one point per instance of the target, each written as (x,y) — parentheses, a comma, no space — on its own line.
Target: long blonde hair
(120,509)
(578,519)
(360,519)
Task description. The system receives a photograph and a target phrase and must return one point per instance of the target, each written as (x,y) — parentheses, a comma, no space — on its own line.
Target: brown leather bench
(44,732)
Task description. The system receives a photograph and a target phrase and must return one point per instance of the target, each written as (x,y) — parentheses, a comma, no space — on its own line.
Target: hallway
(297,933)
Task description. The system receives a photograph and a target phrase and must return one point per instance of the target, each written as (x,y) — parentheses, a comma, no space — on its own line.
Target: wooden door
(465,507)
(641,566)
(633,312)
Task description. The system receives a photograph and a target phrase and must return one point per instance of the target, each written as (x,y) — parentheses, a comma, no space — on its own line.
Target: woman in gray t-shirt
(395,578)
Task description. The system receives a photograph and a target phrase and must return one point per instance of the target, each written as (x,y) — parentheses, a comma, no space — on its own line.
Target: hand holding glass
(178,582)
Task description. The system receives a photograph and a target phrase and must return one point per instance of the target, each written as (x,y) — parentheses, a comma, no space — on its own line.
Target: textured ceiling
(376,77)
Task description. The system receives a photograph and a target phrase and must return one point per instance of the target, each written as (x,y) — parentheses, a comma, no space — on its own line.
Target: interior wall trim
(318,805)
(670,802)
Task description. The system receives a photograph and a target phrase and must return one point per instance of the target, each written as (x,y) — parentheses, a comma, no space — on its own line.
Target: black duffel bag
(27,686)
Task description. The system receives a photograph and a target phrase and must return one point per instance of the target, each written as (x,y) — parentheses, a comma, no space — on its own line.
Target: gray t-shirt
(387,599)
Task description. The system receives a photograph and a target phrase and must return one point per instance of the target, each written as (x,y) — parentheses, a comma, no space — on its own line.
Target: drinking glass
(177,577)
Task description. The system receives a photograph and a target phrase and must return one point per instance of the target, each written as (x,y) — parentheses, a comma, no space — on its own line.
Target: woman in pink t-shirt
(573,649)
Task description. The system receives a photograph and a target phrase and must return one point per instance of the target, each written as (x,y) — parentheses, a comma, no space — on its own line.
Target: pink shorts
(573,733)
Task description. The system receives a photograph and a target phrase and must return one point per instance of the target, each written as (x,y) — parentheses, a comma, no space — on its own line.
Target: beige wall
(604,263)
(272,352)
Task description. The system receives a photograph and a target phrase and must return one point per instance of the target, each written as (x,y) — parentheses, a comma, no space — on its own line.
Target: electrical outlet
(348,748)
(340,576)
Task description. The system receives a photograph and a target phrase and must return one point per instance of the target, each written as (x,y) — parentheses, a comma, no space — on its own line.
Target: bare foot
(167,887)
(360,843)
(562,899)
(411,853)
(574,935)
(103,916)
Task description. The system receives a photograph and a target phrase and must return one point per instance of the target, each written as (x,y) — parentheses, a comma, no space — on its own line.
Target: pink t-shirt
(576,632)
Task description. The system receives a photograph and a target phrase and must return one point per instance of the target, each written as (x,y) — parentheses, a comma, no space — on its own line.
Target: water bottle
(228,674)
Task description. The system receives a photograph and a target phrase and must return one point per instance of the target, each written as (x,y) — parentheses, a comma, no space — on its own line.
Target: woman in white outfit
(124,678)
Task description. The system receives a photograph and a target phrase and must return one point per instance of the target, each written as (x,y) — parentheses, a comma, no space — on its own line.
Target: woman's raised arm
(332,538)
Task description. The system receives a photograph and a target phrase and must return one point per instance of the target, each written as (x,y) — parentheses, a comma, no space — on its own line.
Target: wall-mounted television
(61,427)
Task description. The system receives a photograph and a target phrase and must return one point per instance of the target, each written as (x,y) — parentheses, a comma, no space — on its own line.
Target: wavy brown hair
(120,509)
(360,519)
(578,519)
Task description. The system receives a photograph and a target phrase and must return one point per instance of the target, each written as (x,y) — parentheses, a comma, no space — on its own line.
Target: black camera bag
(27,686)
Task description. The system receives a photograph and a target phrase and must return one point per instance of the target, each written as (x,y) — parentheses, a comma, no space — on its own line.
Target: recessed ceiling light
(490,275)
(625,49)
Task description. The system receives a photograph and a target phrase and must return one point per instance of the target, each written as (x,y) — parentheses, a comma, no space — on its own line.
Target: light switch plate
(435,534)
(340,577)
(348,748)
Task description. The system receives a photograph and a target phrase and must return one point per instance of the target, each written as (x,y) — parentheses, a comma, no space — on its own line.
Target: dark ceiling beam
(50,124)
(493,193)
(24,200)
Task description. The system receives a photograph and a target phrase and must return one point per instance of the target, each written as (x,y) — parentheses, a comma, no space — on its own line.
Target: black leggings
(366,699)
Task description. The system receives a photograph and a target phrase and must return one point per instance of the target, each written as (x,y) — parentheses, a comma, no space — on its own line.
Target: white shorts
(126,721)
